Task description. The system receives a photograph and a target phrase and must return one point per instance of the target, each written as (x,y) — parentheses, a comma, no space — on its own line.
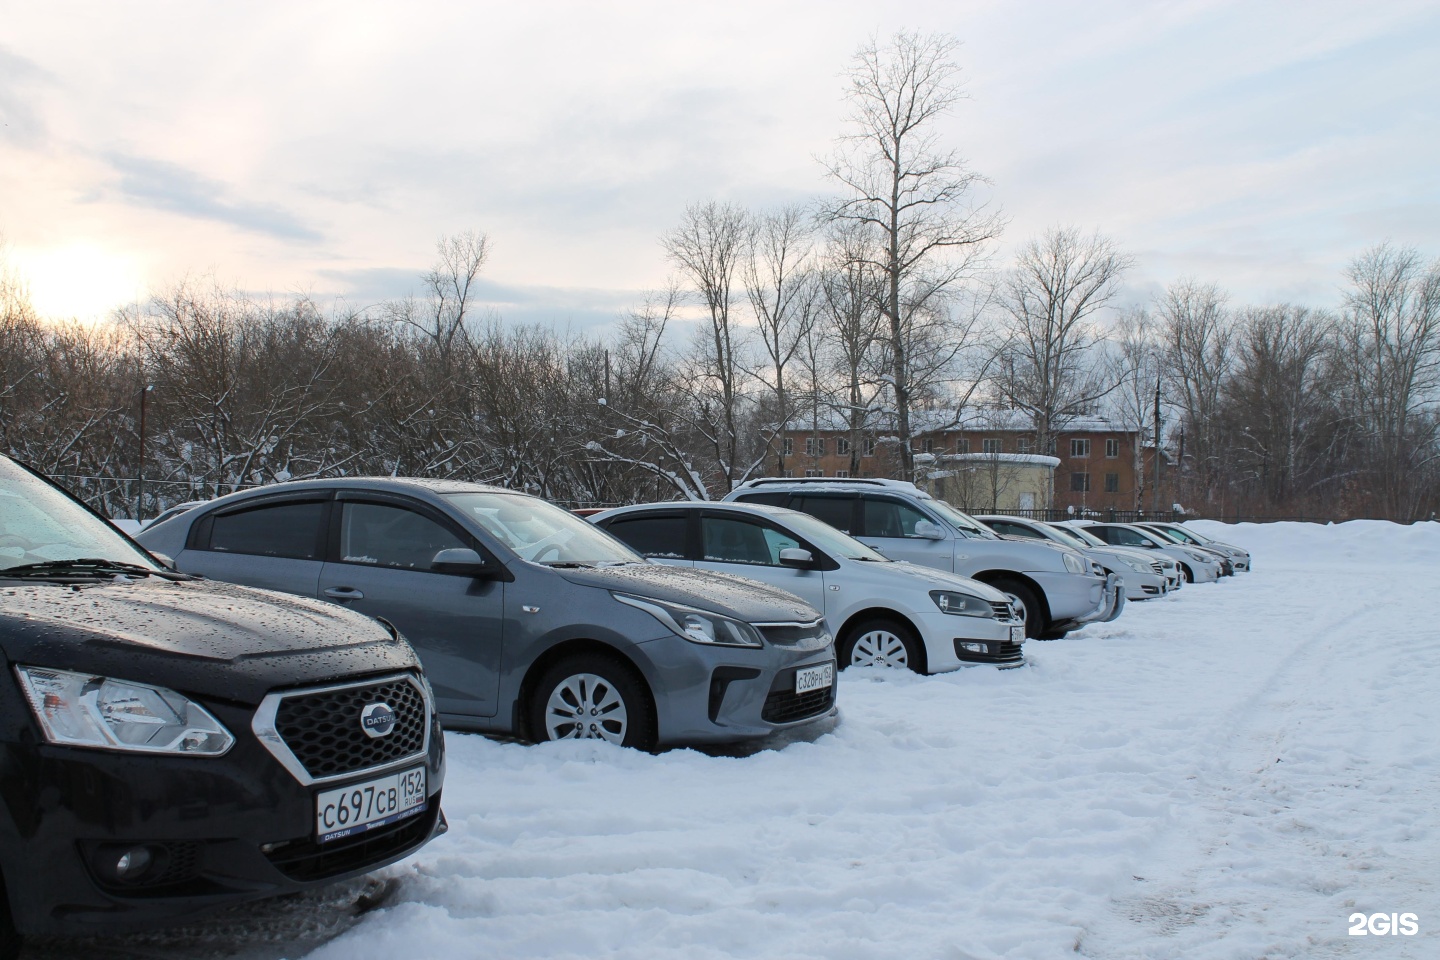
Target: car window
(1180,536)
(725,540)
(277,530)
(1012,529)
(968,526)
(660,537)
(385,535)
(1126,538)
(890,518)
(769,499)
(836,511)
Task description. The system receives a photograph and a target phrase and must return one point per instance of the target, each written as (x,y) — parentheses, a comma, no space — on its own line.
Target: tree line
(877,311)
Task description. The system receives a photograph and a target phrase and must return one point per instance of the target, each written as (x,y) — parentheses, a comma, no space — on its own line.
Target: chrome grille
(316,734)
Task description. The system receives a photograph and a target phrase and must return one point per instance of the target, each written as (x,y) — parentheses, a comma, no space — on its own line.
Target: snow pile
(1226,773)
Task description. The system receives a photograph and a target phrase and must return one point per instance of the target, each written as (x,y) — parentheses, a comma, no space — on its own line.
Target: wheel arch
(881,613)
(564,650)
(995,577)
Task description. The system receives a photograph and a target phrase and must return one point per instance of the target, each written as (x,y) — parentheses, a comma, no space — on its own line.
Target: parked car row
(197,740)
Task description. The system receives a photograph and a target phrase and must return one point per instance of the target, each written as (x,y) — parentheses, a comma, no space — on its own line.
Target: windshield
(1070,538)
(1164,534)
(966,524)
(1184,536)
(39,524)
(541,532)
(1084,536)
(827,538)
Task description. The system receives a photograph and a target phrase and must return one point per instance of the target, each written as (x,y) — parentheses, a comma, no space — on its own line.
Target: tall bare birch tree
(916,195)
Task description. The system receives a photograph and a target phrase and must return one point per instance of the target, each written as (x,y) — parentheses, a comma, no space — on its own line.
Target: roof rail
(836,481)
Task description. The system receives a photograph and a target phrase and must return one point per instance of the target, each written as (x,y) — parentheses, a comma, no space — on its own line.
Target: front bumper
(952,641)
(1073,598)
(219,831)
(1145,586)
(715,694)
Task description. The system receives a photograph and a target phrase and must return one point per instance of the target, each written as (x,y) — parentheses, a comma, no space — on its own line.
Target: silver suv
(528,619)
(1059,587)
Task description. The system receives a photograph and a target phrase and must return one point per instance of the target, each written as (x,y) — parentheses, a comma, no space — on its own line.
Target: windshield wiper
(86,566)
(568,564)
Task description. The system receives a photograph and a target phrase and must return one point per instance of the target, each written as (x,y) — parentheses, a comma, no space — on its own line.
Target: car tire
(1035,623)
(1186,575)
(882,642)
(593,696)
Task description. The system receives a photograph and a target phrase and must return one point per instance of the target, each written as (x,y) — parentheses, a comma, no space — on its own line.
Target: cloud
(170,187)
(19,123)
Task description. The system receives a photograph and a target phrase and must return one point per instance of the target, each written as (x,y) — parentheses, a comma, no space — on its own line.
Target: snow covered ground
(1227,773)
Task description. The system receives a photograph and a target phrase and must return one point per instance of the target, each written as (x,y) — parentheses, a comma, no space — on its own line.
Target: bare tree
(1051,368)
(918,198)
(853,326)
(1135,366)
(441,314)
(1198,352)
(783,293)
(708,247)
(1391,342)
(1280,410)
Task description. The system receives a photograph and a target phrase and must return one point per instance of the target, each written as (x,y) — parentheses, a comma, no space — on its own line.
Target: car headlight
(1199,557)
(1136,564)
(1075,563)
(82,710)
(961,604)
(699,626)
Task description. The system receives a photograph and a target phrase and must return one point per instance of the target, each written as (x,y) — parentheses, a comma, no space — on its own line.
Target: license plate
(814,678)
(1017,634)
(346,811)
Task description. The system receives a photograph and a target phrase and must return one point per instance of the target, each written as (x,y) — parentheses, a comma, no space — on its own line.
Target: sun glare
(81,281)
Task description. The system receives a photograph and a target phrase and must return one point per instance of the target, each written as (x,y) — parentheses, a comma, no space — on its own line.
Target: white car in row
(882,612)
(1145,576)
(1196,565)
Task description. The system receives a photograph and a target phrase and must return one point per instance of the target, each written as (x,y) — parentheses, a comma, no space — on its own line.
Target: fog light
(974,647)
(132,863)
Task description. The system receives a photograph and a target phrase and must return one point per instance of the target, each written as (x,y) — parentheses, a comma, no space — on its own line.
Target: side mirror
(797,557)
(461,560)
(926,530)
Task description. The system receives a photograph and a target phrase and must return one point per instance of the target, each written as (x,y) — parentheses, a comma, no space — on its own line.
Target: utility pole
(1180,460)
(140,498)
(1157,446)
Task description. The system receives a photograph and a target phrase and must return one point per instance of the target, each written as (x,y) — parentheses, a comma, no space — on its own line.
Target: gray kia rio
(528,620)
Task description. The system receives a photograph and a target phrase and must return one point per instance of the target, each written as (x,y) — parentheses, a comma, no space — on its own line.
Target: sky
(323,148)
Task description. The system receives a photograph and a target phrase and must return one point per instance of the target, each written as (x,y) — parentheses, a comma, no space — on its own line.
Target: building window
(787,446)
(927,445)
(1024,445)
(1079,482)
(869,447)
(814,473)
(842,473)
(814,446)
(1112,483)
(1080,448)
(789,473)
(962,445)
(994,445)
(842,446)
(1112,448)
(1050,446)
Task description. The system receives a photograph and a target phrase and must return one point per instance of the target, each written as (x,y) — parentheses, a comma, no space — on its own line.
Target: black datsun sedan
(169,745)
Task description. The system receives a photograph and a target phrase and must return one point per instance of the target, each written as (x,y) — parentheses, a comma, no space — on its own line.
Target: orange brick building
(1101,464)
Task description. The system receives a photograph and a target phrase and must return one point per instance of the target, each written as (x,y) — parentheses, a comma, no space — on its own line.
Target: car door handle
(344,593)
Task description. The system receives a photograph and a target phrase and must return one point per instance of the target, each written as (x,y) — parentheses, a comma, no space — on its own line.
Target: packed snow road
(1227,773)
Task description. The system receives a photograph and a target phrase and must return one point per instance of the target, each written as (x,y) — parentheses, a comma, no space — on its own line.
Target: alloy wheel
(586,707)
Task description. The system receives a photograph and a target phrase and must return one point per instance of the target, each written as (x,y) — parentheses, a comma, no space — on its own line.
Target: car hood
(736,597)
(903,574)
(220,639)
(1136,553)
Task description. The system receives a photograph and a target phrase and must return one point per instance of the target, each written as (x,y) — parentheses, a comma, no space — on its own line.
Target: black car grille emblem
(377,720)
